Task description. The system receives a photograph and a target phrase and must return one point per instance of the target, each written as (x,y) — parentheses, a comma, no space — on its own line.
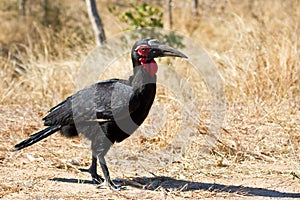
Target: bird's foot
(114,186)
(111,185)
(96,179)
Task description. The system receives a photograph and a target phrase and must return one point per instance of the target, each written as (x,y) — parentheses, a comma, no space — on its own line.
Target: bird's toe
(97,180)
(111,185)
(115,186)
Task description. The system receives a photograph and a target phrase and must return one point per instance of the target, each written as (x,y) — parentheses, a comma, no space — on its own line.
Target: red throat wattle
(151,67)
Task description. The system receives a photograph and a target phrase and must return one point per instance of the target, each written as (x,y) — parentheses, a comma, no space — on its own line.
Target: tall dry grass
(255,45)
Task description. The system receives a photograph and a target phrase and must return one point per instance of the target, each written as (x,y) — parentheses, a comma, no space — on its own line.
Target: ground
(50,170)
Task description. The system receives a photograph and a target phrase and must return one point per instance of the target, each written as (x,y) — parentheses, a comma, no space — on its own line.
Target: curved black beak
(170,51)
(162,50)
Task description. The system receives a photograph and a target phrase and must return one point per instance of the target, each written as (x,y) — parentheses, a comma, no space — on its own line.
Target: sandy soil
(50,170)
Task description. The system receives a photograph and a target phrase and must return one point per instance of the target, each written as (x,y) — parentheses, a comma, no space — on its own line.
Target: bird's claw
(96,179)
(114,186)
(111,185)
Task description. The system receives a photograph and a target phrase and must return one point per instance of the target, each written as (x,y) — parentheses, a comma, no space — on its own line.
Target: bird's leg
(106,173)
(93,171)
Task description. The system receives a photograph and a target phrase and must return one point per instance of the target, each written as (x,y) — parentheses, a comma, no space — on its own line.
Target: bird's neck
(149,65)
(144,73)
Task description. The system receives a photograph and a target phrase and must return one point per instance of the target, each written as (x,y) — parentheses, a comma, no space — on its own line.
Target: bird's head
(144,51)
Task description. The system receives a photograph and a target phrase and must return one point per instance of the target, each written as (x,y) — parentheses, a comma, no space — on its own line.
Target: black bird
(108,111)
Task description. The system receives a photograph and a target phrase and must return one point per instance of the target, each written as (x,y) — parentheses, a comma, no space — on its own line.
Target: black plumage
(108,111)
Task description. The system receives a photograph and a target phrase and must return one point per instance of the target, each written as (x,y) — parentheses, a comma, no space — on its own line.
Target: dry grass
(255,47)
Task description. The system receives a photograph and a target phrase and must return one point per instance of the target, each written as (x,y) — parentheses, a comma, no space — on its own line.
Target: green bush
(147,20)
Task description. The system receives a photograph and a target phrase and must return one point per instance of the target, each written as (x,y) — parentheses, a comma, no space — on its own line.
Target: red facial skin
(151,67)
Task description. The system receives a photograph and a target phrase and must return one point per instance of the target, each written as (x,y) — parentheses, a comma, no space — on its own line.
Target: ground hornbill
(108,111)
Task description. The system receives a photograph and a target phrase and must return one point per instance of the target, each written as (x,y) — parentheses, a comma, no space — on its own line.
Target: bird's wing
(107,100)
(118,101)
(60,114)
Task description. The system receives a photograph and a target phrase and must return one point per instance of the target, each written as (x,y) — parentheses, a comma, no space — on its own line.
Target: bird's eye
(143,49)
(154,51)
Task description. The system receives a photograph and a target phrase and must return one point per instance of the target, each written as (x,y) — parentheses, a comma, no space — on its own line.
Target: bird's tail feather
(37,137)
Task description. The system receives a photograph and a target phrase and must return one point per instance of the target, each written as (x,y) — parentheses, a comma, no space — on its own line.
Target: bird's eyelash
(142,47)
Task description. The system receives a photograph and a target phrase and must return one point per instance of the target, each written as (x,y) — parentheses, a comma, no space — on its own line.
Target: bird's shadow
(170,184)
